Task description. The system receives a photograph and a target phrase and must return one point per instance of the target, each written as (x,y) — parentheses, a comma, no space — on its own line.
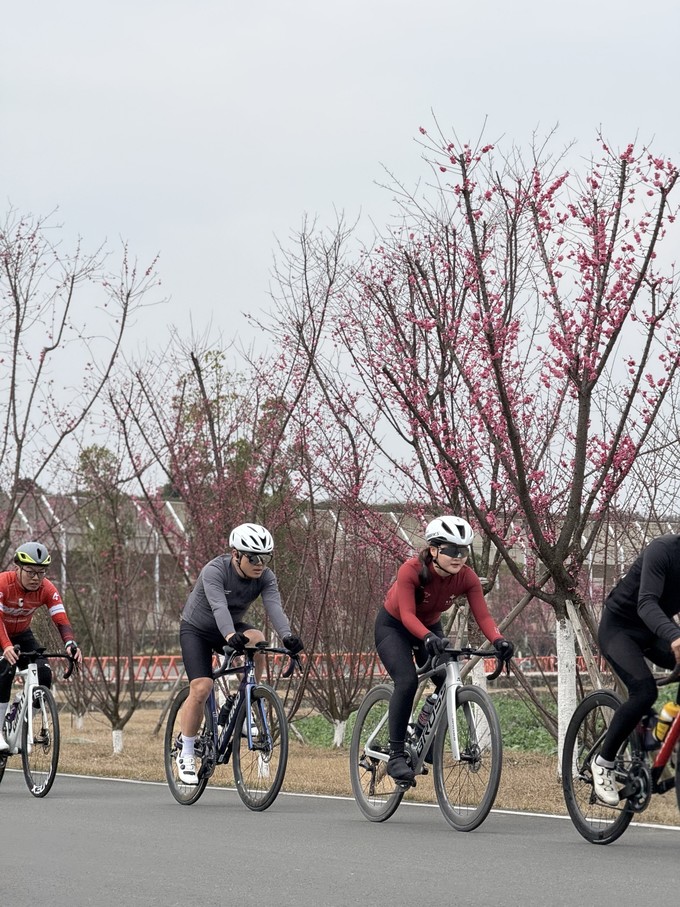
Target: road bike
(462,740)
(31,725)
(642,768)
(249,727)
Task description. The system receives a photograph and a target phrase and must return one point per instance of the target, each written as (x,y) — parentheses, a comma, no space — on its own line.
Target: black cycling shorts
(198,647)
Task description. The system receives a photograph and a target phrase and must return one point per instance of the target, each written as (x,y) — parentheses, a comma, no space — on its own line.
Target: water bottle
(425,713)
(666,716)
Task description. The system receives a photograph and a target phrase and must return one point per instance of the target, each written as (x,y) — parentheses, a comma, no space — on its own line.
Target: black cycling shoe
(399,769)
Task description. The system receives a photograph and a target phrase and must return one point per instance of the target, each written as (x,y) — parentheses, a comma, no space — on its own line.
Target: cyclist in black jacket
(637,624)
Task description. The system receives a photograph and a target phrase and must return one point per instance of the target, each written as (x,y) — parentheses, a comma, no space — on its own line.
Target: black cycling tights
(626,649)
(28,643)
(396,648)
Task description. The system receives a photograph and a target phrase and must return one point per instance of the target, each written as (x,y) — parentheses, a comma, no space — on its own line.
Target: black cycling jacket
(649,593)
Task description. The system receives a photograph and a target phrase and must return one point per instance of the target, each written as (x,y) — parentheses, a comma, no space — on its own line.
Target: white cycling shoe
(186,769)
(603,784)
(4,745)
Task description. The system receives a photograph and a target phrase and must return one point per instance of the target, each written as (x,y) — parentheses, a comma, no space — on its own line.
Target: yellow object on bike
(666,716)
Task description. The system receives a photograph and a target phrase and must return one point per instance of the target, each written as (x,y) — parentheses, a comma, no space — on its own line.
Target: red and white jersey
(17,607)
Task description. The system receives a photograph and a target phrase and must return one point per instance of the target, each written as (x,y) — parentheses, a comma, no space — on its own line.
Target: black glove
(293,644)
(504,648)
(435,645)
(238,641)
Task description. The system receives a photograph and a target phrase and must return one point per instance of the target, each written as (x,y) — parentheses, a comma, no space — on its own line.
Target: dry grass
(529,781)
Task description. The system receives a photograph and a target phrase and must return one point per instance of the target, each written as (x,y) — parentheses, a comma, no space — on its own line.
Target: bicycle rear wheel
(596,822)
(40,755)
(186,794)
(260,764)
(376,793)
(466,788)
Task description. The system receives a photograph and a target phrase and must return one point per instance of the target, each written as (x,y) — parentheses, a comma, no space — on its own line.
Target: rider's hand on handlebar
(10,654)
(293,643)
(73,650)
(238,641)
(435,645)
(504,648)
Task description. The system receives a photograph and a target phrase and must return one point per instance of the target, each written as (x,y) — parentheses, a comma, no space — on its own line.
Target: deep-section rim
(40,760)
(184,793)
(478,779)
(255,784)
(360,776)
(594,821)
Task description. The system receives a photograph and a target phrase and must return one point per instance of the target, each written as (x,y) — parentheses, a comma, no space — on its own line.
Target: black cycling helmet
(32,554)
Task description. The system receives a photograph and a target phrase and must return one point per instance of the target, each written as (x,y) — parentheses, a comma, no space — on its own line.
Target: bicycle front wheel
(376,793)
(260,762)
(40,755)
(186,794)
(466,788)
(596,822)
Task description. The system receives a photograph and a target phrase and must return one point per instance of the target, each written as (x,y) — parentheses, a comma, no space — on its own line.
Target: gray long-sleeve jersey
(221,597)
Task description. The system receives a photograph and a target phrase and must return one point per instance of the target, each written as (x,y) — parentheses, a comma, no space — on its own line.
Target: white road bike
(462,741)
(31,726)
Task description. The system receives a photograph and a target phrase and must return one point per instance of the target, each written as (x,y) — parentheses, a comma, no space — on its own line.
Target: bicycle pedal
(405,785)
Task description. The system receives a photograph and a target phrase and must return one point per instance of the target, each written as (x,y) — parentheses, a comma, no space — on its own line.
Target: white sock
(188,745)
(605,763)
(3,712)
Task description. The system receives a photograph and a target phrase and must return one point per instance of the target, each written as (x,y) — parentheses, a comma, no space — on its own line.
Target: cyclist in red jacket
(410,621)
(22,591)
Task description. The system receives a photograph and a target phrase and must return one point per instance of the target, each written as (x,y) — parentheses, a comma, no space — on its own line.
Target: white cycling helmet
(251,538)
(451,529)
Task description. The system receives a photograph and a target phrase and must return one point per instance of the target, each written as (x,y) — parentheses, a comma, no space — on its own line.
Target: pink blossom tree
(510,348)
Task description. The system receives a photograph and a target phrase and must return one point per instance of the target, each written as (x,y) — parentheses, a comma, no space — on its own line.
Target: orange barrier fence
(168,668)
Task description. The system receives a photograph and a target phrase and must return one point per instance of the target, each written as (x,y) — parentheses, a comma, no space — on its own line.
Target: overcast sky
(204,130)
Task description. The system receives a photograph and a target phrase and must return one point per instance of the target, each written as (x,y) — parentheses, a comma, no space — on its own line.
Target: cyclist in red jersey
(410,622)
(22,591)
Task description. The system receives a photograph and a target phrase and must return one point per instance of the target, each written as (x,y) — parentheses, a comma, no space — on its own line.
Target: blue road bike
(248,727)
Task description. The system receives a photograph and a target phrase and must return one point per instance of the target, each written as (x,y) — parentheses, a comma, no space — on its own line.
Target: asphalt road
(105,843)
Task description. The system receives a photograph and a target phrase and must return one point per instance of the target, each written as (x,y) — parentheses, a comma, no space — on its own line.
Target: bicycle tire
(186,794)
(259,770)
(40,756)
(466,788)
(3,764)
(594,820)
(376,794)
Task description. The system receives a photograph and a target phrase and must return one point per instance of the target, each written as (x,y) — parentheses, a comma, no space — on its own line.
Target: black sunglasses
(257,560)
(454,550)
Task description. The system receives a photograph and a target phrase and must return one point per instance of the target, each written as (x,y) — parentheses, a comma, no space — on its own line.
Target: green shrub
(520,727)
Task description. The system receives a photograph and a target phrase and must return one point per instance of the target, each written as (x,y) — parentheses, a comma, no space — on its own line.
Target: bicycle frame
(29,675)
(244,693)
(445,704)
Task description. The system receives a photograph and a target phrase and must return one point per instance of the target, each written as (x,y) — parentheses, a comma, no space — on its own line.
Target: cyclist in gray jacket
(214,615)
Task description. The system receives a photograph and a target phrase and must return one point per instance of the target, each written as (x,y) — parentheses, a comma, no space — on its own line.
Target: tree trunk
(566,680)
(339,731)
(117,737)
